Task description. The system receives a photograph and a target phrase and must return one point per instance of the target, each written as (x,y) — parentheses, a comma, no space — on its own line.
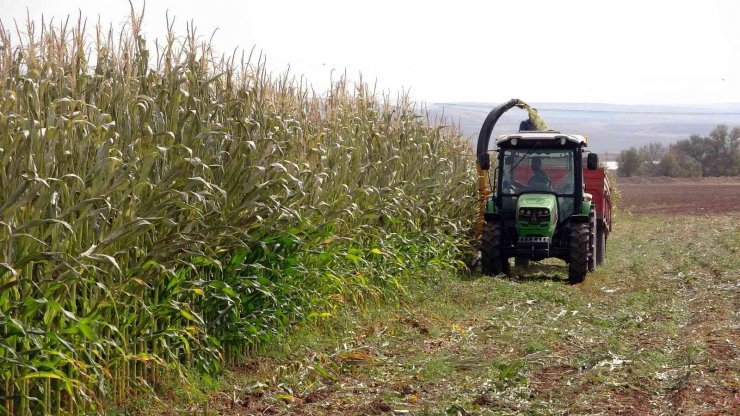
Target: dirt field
(680,196)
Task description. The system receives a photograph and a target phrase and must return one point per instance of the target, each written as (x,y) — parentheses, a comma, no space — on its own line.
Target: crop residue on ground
(655,331)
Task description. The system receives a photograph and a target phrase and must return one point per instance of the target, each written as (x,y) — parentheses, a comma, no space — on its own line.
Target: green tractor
(541,201)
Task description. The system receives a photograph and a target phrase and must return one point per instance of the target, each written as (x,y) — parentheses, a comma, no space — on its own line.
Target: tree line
(717,154)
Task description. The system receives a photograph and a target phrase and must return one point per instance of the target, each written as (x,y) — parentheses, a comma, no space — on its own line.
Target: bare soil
(693,196)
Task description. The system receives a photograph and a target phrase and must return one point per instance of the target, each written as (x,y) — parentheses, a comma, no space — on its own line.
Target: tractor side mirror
(484,161)
(592,161)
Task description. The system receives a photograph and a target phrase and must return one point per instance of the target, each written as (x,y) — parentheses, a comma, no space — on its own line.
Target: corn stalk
(173,208)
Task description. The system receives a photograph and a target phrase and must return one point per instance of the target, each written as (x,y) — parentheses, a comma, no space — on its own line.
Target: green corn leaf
(40,374)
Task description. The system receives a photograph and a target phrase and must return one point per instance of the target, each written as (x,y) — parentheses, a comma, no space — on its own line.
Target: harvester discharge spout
(483,164)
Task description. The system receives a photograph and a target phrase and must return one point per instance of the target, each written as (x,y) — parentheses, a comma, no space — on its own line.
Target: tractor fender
(579,219)
(492,216)
(586,207)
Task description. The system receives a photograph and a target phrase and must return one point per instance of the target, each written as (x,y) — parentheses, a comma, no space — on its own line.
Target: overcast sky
(622,51)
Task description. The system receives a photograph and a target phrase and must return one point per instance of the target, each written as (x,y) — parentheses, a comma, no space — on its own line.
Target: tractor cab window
(538,170)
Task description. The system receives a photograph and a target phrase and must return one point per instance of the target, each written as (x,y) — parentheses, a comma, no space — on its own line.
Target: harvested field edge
(655,331)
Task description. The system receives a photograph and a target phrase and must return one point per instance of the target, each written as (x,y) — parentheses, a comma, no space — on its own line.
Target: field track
(654,331)
(680,196)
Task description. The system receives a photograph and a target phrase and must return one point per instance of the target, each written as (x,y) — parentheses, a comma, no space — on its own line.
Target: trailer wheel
(521,262)
(492,261)
(592,239)
(600,244)
(578,246)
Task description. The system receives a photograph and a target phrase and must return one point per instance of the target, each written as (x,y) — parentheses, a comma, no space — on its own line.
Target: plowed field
(680,196)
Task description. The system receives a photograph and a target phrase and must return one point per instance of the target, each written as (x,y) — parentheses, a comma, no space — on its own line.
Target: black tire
(578,244)
(521,262)
(492,261)
(592,239)
(600,244)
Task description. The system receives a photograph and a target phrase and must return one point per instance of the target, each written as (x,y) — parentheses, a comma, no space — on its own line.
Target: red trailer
(597,186)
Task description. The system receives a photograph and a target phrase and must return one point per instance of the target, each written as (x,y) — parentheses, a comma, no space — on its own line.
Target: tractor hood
(537,215)
(537,201)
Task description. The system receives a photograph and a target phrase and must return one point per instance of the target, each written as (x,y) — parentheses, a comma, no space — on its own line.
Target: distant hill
(610,127)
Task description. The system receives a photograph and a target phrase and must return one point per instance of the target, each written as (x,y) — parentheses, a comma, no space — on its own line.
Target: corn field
(163,208)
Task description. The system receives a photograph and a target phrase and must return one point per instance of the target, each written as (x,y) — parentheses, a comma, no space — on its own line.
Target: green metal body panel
(537,226)
(585,207)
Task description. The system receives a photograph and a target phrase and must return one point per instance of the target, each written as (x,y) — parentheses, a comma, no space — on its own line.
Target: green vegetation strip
(157,220)
(654,331)
(715,155)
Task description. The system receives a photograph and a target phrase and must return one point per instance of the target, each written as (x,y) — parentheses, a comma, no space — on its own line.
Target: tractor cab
(543,167)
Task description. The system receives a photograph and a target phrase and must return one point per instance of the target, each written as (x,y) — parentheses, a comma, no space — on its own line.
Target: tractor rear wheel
(579,252)
(600,244)
(492,260)
(592,239)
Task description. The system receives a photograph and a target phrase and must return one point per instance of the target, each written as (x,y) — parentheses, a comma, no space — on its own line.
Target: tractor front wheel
(492,260)
(579,252)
